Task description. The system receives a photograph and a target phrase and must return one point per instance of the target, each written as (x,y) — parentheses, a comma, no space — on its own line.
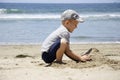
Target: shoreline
(22,43)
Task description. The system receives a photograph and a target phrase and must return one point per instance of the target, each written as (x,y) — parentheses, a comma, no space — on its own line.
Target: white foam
(56,16)
(2,11)
(102,16)
(29,16)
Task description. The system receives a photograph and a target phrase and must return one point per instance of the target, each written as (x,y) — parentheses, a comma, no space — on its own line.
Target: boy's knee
(63,41)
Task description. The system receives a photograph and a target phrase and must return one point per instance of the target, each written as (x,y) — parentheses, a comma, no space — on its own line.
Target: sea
(31,23)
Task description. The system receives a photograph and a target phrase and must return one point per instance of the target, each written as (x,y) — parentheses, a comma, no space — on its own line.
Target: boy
(58,43)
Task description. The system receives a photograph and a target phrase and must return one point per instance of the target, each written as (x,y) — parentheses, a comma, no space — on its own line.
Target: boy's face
(72,24)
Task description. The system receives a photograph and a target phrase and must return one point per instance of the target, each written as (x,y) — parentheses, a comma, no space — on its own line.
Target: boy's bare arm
(76,57)
(72,55)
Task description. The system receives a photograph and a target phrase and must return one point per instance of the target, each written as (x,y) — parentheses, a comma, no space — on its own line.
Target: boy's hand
(85,58)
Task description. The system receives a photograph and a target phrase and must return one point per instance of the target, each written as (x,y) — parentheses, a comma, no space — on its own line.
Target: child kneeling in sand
(58,43)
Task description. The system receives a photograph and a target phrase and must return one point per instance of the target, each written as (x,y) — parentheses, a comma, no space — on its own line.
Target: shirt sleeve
(66,36)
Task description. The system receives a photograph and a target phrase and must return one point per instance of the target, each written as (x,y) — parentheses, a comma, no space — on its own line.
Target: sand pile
(98,59)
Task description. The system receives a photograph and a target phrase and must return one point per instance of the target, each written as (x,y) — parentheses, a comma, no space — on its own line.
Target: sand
(23,62)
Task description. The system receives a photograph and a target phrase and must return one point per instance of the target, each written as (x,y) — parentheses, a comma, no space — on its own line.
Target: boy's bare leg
(61,50)
(64,48)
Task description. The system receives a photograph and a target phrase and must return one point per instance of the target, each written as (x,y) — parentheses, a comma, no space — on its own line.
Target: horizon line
(59,3)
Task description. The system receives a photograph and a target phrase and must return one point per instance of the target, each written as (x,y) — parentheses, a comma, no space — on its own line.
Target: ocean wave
(41,16)
(29,16)
(96,38)
(85,37)
(9,11)
(102,16)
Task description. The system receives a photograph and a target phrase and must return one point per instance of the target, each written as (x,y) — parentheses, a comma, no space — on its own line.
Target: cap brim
(81,20)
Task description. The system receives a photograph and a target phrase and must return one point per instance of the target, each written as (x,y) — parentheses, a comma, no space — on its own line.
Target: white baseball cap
(71,14)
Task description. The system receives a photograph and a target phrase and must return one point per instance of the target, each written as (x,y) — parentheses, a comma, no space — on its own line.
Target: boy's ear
(67,22)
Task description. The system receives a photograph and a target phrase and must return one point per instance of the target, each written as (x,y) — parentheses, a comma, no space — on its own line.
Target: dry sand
(23,62)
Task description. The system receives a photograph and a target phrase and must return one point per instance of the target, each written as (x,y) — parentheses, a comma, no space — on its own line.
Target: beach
(24,27)
(23,62)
